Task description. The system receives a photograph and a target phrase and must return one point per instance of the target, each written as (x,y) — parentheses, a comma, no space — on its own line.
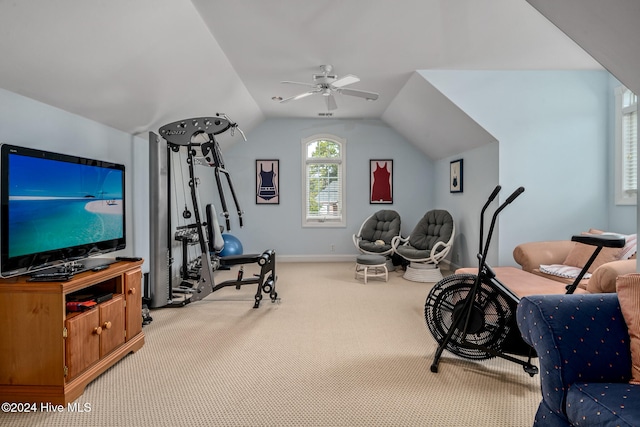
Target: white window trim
(324,223)
(621,197)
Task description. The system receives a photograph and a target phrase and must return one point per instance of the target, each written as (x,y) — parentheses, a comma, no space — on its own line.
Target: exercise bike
(473,316)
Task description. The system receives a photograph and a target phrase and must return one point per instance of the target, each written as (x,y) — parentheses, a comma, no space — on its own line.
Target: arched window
(323,181)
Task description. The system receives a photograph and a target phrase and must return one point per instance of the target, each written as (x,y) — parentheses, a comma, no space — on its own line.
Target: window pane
(629,141)
(323,149)
(323,188)
(629,98)
(626,139)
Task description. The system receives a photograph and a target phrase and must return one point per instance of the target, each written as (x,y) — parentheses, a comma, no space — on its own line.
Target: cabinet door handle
(132,291)
(97,330)
(106,325)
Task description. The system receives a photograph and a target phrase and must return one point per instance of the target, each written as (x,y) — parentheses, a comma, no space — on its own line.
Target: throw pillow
(628,288)
(630,243)
(630,246)
(580,254)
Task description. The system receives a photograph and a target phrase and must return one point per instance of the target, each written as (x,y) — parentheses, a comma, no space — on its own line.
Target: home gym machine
(196,138)
(473,316)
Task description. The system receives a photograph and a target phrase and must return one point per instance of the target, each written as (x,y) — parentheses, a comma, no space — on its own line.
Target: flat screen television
(57,209)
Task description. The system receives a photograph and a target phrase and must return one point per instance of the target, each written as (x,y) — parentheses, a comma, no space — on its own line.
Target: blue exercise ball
(232,245)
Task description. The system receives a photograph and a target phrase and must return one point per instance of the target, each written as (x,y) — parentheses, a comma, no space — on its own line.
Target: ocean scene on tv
(56,205)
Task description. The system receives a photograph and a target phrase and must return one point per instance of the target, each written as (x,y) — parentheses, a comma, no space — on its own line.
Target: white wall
(553,131)
(28,123)
(280,226)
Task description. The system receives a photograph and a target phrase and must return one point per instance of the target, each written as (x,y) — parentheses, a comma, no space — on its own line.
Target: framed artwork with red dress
(380,181)
(267,182)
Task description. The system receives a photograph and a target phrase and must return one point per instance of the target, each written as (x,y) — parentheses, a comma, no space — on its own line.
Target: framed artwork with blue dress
(267,182)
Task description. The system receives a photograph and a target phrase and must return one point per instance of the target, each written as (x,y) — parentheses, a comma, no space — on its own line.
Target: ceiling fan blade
(300,96)
(369,96)
(299,83)
(345,80)
(331,103)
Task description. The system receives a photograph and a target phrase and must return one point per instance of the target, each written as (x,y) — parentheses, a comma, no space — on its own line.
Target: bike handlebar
(494,194)
(513,195)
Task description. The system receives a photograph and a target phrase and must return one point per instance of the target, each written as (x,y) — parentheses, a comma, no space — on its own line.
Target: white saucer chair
(427,245)
(376,233)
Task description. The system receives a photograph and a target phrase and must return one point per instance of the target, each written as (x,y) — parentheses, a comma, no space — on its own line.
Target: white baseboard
(448,265)
(318,258)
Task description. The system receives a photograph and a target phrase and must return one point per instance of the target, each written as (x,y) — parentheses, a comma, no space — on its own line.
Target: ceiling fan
(327,84)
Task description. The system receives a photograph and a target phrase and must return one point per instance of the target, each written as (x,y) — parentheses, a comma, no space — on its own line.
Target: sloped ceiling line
(608,31)
(136,66)
(428,119)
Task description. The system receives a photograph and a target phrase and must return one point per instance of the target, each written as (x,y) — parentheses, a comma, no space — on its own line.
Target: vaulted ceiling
(137,65)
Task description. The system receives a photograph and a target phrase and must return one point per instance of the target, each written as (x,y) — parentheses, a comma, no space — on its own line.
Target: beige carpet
(333,352)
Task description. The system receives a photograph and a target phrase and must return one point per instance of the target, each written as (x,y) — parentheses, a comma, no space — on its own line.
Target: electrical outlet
(332,248)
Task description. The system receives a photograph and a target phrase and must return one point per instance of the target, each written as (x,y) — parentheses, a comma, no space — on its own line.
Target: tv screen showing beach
(56,204)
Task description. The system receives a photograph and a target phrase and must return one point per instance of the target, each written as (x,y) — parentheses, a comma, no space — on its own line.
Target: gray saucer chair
(376,233)
(427,245)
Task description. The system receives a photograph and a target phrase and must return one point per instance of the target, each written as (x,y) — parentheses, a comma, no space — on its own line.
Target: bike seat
(603,240)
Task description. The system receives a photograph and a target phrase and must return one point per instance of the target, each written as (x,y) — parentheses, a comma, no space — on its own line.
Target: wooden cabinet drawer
(83,342)
(94,334)
(112,324)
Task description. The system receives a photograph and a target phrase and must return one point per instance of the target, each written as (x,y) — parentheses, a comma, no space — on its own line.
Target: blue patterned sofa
(582,342)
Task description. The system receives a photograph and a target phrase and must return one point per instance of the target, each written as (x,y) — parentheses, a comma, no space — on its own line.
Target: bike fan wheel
(489,319)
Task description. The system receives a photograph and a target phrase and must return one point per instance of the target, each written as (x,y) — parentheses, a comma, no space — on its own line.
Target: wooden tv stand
(49,354)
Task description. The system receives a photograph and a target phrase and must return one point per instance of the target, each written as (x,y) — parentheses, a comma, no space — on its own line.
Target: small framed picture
(455,176)
(380,181)
(268,182)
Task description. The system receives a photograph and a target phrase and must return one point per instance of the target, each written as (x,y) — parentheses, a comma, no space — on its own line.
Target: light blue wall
(555,139)
(280,226)
(480,177)
(28,123)
(553,131)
